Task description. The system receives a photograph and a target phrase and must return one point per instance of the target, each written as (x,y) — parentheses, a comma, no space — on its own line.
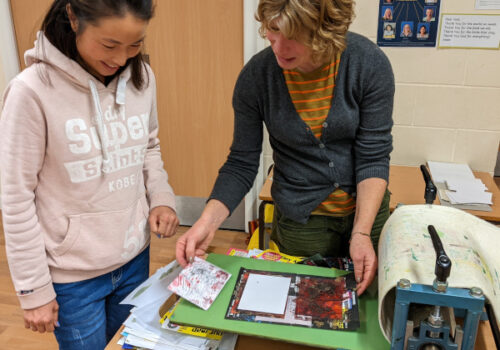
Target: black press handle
(443,263)
(430,188)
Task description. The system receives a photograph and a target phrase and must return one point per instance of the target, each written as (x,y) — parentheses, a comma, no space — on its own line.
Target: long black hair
(57,27)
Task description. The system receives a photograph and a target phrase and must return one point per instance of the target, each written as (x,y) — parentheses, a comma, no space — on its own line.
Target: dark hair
(57,28)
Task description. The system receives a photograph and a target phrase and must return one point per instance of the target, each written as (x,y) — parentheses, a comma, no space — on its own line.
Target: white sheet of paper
(264,293)
(473,197)
(470,185)
(469,31)
(442,171)
(487,4)
(155,287)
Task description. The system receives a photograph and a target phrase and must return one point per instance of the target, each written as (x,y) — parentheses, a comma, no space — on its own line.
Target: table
(231,239)
(223,240)
(407,186)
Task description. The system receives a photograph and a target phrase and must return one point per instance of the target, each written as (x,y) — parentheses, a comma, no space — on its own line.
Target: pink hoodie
(80,170)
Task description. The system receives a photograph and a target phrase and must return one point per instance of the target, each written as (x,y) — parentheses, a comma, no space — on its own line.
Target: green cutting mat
(368,336)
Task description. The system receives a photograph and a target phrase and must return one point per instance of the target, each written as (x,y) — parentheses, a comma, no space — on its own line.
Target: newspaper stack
(143,329)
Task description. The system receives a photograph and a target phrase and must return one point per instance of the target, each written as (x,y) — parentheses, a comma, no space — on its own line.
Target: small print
(200,283)
(311,301)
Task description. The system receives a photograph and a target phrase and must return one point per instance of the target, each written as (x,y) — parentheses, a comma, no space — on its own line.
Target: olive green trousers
(326,235)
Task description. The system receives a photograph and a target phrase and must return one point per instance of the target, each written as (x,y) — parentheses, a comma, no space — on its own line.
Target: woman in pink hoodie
(82,178)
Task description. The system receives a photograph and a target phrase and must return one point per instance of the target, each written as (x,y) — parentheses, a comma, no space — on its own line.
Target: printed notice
(470,31)
(487,4)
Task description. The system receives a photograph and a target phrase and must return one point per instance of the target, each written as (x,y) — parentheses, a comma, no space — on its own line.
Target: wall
(9,63)
(447,103)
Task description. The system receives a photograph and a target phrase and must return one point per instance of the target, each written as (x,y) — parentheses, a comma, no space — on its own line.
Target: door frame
(252,44)
(9,61)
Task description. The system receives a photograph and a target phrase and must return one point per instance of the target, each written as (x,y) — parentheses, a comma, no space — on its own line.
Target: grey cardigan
(355,143)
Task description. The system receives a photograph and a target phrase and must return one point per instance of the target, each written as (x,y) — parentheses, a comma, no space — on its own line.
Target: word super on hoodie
(80,170)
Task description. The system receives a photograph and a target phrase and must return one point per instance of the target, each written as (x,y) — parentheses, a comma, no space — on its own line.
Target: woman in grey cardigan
(325,96)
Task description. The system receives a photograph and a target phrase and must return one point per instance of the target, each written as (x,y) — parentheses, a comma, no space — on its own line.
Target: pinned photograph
(389,30)
(387,12)
(429,14)
(423,31)
(406,29)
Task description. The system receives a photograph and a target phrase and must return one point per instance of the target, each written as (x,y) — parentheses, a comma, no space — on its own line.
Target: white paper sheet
(487,4)
(442,171)
(467,196)
(457,185)
(155,287)
(265,294)
(469,31)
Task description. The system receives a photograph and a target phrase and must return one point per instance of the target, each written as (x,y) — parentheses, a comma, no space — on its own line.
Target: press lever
(430,188)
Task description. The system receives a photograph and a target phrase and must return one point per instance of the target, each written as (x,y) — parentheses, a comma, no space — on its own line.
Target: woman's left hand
(163,221)
(364,259)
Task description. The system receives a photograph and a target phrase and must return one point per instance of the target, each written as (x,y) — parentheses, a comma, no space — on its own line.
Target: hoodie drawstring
(120,91)
(120,100)
(120,95)
(100,128)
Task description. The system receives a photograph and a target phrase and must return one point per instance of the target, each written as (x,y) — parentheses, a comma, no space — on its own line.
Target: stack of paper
(197,331)
(457,184)
(143,328)
(468,192)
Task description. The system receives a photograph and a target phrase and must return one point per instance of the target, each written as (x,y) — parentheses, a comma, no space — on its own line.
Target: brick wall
(447,103)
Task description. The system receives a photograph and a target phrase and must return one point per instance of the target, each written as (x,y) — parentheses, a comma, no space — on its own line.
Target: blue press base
(456,298)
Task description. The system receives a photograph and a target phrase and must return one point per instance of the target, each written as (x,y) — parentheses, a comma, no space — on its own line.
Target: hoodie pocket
(101,240)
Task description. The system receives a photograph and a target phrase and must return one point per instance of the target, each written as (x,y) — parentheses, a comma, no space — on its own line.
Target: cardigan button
(325,124)
(321,145)
(330,164)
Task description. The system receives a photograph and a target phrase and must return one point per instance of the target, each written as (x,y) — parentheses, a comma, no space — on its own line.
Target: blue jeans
(89,311)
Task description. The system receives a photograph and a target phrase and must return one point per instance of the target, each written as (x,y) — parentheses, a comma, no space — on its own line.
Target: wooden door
(196,52)
(27,16)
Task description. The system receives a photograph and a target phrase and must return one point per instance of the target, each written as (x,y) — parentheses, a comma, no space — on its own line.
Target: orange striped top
(312,95)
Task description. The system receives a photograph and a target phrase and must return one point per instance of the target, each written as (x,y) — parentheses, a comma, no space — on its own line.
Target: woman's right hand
(42,319)
(193,243)
(196,240)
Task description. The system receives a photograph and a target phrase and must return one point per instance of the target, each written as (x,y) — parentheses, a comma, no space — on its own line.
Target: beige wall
(447,103)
